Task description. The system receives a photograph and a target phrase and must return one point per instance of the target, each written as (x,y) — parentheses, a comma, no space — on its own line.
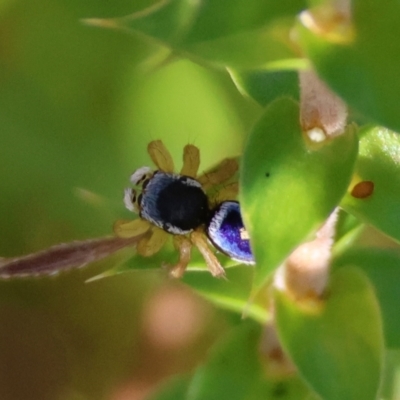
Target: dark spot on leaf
(267,174)
(279,390)
(363,189)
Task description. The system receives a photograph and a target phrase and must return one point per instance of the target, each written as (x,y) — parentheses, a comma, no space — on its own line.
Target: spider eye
(130,199)
(145,182)
(228,234)
(140,175)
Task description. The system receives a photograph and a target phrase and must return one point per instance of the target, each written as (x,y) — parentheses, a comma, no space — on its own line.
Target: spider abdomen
(175,203)
(227,232)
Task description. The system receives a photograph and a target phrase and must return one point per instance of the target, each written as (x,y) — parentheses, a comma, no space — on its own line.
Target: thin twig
(63,257)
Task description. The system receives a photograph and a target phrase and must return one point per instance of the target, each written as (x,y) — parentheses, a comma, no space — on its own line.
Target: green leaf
(378,162)
(232,293)
(338,345)
(363,67)
(234,371)
(348,229)
(174,389)
(265,85)
(247,49)
(383,269)
(390,383)
(289,189)
(230,32)
(221,18)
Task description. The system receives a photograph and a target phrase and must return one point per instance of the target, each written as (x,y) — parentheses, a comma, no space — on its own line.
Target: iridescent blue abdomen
(228,234)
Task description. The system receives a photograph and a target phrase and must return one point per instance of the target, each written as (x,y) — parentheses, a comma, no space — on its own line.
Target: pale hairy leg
(199,240)
(152,244)
(160,156)
(191,161)
(224,171)
(184,245)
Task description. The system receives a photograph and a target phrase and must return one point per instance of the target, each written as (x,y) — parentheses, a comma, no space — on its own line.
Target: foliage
(185,48)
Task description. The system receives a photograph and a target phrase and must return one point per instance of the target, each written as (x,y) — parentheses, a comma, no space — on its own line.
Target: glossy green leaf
(383,269)
(231,32)
(337,347)
(363,66)
(289,189)
(234,371)
(231,293)
(378,161)
(265,85)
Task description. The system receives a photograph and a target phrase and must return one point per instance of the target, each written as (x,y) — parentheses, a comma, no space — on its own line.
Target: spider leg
(228,192)
(160,156)
(198,239)
(128,229)
(191,161)
(225,170)
(152,244)
(184,246)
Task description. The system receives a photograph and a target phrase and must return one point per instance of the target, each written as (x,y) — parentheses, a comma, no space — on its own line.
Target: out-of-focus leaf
(383,269)
(360,62)
(245,49)
(378,162)
(390,383)
(289,189)
(265,86)
(174,389)
(234,371)
(225,31)
(337,345)
(232,293)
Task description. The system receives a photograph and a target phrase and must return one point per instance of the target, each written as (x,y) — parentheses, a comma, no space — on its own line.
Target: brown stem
(63,257)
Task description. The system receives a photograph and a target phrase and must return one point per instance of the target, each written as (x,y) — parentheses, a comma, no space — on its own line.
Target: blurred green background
(78,106)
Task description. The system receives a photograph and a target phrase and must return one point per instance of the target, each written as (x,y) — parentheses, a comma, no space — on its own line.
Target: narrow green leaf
(227,32)
(288,189)
(362,68)
(231,293)
(265,85)
(383,269)
(247,49)
(221,18)
(337,347)
(348,229)
(166,21)
(378,162)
